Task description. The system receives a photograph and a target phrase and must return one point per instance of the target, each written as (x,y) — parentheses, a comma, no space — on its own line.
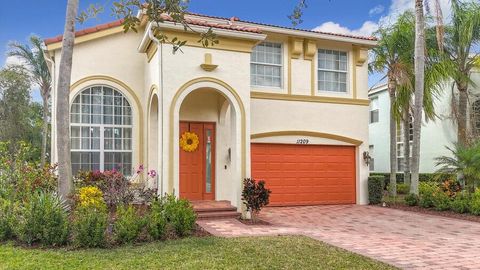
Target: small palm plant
(464,162)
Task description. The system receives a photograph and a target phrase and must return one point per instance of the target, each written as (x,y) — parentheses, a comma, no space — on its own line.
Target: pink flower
(152,173)
(140,169)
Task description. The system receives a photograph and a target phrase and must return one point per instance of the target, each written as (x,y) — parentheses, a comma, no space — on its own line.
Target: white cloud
(366,29)
(396,8)
(13,60)
(376,10)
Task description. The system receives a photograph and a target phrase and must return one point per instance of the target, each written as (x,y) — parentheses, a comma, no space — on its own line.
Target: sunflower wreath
(189,141)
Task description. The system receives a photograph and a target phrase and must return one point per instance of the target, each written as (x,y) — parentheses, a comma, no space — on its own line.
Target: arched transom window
(101,130)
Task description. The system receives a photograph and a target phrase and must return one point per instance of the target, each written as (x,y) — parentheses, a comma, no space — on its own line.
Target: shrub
(403,188)
(128,224)
(43,219)
(441,200)
(375,189)
(451,187)
(20,176)
(475,203)
(426,190)
(90,219)
(411,199)
(89,226)
(255,196)
(461,203)
(114,185)
(180,215)
(7,219)
(90,196)
(156,220)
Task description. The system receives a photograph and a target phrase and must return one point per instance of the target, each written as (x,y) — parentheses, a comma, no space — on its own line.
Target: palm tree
(419,70)
(37,66)
(460,38)
(391,56)
(465,161)
(65,181)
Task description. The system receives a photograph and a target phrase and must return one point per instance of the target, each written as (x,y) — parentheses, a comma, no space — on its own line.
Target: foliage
(43,219)
(21,176)
(156,220)
(464,160)
(475,203)
(412,199)
(180,215)
(89,226)
(451,187)
(128,224)
(403,188)
(441,200)
(7,219)
(461,203)
(90,196)
(114,185)
(375,189)
(423,177)
(255,195)
(427,191)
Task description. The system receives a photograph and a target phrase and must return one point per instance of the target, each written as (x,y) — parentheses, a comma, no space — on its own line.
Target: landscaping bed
(281,252)
(429,211)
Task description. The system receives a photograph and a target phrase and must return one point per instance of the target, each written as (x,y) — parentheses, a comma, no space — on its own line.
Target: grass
(281,252)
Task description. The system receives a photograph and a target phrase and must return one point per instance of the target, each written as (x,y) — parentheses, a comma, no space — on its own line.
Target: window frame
(347,72)
(103,127)
(374,109)
(281,65)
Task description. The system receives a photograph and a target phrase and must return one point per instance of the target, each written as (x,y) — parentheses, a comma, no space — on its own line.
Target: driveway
(404,239)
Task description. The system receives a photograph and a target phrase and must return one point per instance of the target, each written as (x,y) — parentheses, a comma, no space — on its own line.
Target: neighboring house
(283,105)
(436,135)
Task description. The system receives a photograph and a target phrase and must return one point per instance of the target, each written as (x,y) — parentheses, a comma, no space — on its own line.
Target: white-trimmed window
(332,71)
(101,130)
(401,145)
(266,65)
(371,152)
(374,112)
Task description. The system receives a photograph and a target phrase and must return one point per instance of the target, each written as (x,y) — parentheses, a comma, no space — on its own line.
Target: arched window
(101,130)
(475,116)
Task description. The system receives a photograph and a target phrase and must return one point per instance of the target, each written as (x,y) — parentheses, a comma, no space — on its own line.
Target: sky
(45,18)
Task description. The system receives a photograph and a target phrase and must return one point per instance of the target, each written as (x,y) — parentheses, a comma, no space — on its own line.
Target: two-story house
(283,105)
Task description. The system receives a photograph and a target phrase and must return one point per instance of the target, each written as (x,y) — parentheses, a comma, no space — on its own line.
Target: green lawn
(285,252)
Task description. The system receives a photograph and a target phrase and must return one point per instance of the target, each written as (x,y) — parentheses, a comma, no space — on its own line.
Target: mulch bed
(428,211)
(257,222)
(200,232)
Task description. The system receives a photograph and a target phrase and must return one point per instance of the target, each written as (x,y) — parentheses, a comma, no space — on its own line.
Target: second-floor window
(374,110)
(266,65)
(332,71)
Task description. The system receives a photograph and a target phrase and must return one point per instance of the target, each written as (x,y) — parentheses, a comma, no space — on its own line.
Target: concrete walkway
(404,239)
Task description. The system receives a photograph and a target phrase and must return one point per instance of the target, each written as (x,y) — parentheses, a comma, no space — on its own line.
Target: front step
(215,209)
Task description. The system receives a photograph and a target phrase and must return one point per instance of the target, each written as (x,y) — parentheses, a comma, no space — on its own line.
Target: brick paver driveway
(403,239)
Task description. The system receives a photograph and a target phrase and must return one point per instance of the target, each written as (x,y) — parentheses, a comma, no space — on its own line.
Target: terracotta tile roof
(285,27)
(86,31)
(228,25)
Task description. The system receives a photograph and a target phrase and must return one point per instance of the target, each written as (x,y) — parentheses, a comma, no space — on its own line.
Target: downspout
(160,46)
(53,96)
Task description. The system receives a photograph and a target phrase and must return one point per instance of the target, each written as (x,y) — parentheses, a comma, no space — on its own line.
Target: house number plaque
(302,141)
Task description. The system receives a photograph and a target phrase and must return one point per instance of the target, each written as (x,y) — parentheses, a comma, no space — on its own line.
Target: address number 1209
(302,141)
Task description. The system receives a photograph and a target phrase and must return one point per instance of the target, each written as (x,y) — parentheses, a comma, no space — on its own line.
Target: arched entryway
(214,170)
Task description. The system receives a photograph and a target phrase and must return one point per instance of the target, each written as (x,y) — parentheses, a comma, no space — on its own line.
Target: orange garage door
(306,174)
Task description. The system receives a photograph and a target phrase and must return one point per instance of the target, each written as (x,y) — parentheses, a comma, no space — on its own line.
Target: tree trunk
(65,183)
(393,138)
(419,89)
(44,129)
(462,114)
(406,147)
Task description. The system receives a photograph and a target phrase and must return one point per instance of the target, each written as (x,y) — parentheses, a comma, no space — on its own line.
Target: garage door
(305,174)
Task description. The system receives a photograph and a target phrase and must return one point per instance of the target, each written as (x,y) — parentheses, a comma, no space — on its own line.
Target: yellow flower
(189,141)
(91,197)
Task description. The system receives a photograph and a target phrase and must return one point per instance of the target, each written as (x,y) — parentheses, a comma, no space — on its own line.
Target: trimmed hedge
(375,189)
(422,177)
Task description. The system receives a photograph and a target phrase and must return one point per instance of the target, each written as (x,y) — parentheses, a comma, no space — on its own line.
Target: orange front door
(197,168)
